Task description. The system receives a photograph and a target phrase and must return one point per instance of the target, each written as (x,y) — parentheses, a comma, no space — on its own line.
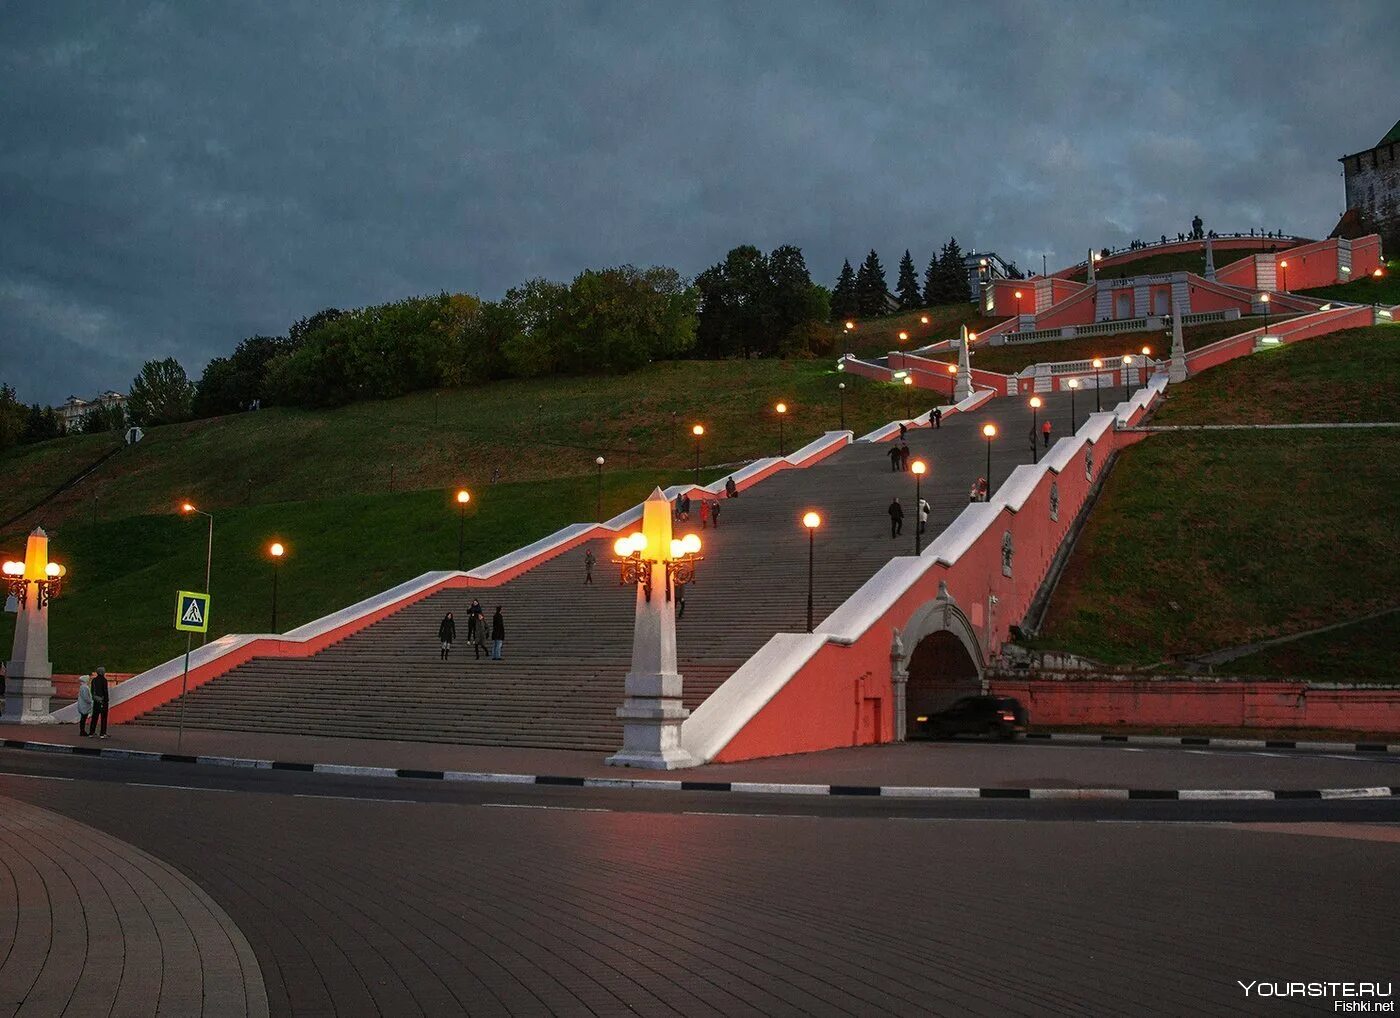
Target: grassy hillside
(1012,358)
(1361,652)
(118,602)
(1347,376)
(1208,540)
(1178,261)
(1367,290)
(875,337)
(526,430)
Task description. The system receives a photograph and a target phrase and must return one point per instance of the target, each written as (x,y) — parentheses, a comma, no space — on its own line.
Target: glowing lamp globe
(463,497)
(919,467)
(1035,402)
(698,430)
(677,548)
(622,547)
(989,430)
(637,541)
(276,550)
(690,544)
(811,521)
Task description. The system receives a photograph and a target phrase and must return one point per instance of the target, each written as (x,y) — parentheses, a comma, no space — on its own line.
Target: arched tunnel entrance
(935,659)
(940,671)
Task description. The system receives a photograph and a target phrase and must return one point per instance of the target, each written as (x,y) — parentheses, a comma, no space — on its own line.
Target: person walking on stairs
(923,515)
(476,622)
(1045,433)
(84,705)
(895,457)
(937,418)
(731,490)
(589,561)
(896,512)
(714,515)
(99,701)
(479,644)
(904,456)
(903,430)
(447,632)
(498,634)
(704,514)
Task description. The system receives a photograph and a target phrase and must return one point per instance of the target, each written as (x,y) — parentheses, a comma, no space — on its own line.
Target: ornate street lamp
(276,550)
(781,408)
(45,589)
(811,521)
(463,497)
(633,568)
(918,468)
(698,431)
(1035,429)
(989,432)
(1098,365)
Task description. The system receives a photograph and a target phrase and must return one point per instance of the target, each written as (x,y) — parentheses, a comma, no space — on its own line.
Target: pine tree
(909,295)
(871,287)
(958,290)
(931,282)
(843,294)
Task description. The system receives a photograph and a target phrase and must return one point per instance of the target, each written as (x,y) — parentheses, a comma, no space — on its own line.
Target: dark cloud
(176,176)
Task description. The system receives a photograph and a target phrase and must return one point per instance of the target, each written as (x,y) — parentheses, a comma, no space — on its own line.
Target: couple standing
(476,632)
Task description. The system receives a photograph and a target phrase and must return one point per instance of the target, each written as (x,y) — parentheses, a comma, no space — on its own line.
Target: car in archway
(1003,717)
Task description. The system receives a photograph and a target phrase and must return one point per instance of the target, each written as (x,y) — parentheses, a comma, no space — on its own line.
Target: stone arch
(935,658)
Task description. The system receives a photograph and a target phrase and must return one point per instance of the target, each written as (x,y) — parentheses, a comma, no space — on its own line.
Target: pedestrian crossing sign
(192,612)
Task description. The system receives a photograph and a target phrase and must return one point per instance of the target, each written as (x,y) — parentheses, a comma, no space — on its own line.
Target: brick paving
(91,925)
(363,908)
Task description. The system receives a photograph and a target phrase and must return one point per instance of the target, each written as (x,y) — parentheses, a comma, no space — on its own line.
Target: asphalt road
(401,897)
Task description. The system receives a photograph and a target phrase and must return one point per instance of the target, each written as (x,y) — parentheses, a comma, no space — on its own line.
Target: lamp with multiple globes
(45,589)
(683,554)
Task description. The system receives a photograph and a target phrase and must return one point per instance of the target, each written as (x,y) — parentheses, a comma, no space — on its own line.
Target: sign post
(191,616)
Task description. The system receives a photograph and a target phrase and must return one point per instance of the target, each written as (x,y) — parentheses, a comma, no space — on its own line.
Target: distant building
(1372,180)
(982,268)
(73,410)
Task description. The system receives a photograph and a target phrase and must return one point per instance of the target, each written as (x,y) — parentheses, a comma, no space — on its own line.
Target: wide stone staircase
(568,645)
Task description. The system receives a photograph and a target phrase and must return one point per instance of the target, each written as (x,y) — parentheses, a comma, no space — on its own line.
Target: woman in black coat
(447,632)
(498,634)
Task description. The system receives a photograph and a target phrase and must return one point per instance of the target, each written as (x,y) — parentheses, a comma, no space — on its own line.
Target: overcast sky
(174,177)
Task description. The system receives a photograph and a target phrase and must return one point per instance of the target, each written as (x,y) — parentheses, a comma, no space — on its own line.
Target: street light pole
(918,467)
(1035,429)
(989,430)
(463,497)
(1127,363)
(208,555)
(1283,285)
(600,461)
(276,551)
(841,390)
(1073,388)
(1264,299)
(782,412)
(811,521)
(908,385)
(697,431)
(1098,363)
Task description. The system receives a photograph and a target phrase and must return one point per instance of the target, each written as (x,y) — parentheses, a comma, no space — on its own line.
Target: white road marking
(562,809)
(763,816)
(39,777)
(352,798)
(182,788)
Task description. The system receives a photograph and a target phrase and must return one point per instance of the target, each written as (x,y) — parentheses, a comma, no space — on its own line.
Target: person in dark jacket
(896,512)
(937,418)
(589,561)
(904,456)
(447,632)
(476,622)
(498,634)
(99,701)
(895,458)
(731,490)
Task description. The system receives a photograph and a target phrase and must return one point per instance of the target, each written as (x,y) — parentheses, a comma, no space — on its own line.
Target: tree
(954,274)
(908,289)
(235,383)
(299,330)
(101,419)
(871,289)
(41,423)
(160,394)
(13,415)
(843,295)
(933,282)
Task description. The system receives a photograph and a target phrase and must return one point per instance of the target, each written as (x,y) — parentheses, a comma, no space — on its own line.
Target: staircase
(568,645)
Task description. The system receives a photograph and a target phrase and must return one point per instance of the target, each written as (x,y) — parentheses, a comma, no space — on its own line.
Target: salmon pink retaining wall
(1317,324)
(830,688)
(1205,703)
(1179,246)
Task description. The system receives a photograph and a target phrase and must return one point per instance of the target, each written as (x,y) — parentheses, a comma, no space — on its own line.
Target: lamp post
(1035,426)
(918,468)
(923,319)
(463,497)
(1264,299)
(1073,385)
(188,508)
(29,682)
(903,336)
(1018,309)
(276,550)
(1283,283)
(989,431)
(1098,365)
(1146,367)
(1127,361)
(952,381)
(811,521)
(781,408)
(850,328)
(599,464)
(841,392)
(697,431)
(908,384)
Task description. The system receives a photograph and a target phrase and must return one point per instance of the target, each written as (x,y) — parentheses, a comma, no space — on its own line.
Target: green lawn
(1346,376)
(1011,359)
(875,337)
(526,430)
(1367,290)
(1202,541)
(117,605)
(1169,261)
(1365,652)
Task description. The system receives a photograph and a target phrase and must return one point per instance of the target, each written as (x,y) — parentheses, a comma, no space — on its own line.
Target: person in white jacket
(84,705)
